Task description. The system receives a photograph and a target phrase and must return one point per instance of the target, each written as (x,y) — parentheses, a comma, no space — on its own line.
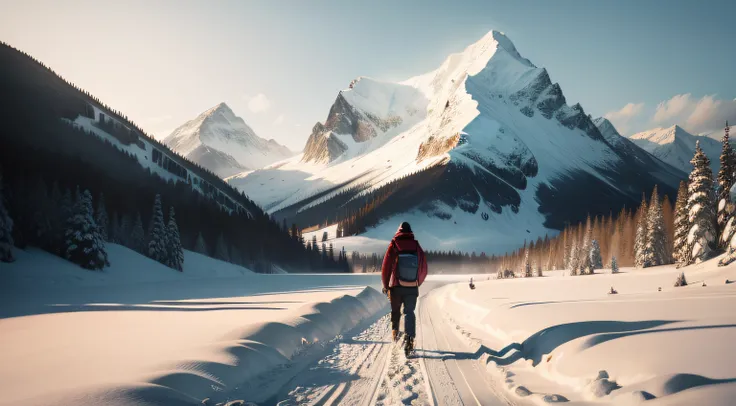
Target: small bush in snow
(614,265)
(681,281)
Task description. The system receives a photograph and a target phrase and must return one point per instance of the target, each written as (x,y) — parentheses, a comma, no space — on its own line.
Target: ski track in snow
(368,369)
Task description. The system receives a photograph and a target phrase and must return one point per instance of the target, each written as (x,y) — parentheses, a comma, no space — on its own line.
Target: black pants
(408,297)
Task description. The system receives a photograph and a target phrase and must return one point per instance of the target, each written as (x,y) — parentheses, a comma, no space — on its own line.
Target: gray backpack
(407,268)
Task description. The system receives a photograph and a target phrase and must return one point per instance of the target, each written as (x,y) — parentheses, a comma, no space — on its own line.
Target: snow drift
(566,337)
(141,333)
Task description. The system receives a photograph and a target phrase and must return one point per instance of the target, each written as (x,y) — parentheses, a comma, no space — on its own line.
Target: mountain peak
(224,143)
(221,107)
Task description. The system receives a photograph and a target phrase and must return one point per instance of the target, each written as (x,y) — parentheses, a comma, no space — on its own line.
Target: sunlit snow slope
(486,136)
(223,143)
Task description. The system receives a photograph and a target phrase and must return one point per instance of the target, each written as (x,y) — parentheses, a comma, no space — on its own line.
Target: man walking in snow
(403,271)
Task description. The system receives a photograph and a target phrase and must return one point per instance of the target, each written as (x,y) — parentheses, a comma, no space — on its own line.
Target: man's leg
(410,320)
(395,311)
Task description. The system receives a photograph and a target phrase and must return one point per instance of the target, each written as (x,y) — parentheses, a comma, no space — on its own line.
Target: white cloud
(258,103)
(672,108)
(621,119)
(279,120)
(697,116)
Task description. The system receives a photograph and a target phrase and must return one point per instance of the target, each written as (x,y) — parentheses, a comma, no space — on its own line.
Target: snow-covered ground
(139,330)
(141,333)
(568,337)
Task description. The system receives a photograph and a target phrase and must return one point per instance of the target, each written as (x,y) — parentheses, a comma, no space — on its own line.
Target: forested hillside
(57,139)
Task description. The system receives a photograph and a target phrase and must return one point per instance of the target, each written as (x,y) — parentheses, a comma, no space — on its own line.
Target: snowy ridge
(222,142)
(489,116)
(150,156)
(676,146)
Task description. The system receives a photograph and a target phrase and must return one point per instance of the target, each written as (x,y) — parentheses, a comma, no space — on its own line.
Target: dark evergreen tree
(41,218)
(725,182)
(221,251)
(596,260)
(84,245)
(115,228)
(640,241)
(200,245)
(682,224)
(157,235)
(101,218)
(527,269)
(137,239)
(655,250)
(701,209)
(174,250)
(6,230)
(614,265)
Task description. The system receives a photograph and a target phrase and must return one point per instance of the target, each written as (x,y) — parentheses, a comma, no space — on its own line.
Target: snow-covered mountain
(718,134)
(676,146)
(480,154)
(223,143)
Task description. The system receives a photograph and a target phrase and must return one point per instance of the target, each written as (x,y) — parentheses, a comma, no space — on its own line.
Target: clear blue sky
(280,64)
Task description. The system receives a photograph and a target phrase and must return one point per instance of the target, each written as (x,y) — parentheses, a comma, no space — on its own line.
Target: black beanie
(405,227)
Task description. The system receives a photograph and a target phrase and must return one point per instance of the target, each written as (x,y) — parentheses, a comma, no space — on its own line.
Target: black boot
(408,345)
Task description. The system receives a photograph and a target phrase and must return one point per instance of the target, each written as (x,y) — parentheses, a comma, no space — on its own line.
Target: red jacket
(401,242)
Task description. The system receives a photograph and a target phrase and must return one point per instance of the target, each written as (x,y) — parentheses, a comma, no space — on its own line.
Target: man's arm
(422,274)
(388,260)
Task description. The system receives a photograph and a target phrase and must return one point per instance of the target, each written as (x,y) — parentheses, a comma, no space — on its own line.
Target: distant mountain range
(480,154)
(223,143)
(676,146)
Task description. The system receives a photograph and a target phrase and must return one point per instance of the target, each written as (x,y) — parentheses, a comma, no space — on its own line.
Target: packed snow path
(368,369)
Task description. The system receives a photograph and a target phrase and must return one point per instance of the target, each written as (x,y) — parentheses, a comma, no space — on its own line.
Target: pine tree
(41,217)
(655,251)
(573,258)
(584,251)
(6,230)
(640,241)
(61,215)
(137,237)
(682,224)
(614,265)
(115,228)
(200,246)
(157,234)
(174,250)
(701,210)
(221,251)
(725,182)
(527,265)
(101,218)
(84,244)
(668,213)
(596,260)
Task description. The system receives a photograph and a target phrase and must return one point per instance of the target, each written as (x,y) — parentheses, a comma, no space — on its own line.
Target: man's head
(405,228)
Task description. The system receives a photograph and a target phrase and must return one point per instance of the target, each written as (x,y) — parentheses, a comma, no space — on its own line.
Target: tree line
(40,145)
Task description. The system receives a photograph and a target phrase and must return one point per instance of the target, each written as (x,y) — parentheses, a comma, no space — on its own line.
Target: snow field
(561,337)
(142,333)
